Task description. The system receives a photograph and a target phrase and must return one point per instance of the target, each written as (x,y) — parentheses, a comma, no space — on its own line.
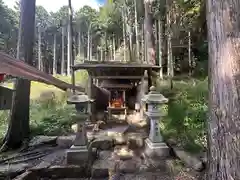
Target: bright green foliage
(49,115)
(187,113)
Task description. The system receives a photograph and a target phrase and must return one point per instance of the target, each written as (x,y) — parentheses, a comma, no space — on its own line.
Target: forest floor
(45,157)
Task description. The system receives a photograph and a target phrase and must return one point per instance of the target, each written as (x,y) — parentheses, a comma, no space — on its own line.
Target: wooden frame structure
(122,76)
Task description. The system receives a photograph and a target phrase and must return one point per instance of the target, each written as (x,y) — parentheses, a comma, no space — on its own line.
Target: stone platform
(114,138)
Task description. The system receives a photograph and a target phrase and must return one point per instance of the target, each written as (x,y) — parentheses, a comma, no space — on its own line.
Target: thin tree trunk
(160,42)
(136,32)
(19,127)
(88,47)
(149,38)
(111,50)
(69,59)
(124,36)
(71,43)
(54,54)
(39,48)
(63,49)
(101,54)
(143,45)
(114,48)
(189,54)
(224,105)
(79,43)
(106,46)
(168,42)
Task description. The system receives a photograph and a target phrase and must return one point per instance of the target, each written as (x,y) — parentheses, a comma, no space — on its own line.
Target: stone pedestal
(77,155)
(156,149)
(154,144)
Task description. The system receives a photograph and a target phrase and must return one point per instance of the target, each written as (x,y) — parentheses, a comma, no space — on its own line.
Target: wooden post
(124,104)
(19,126)
(89,93)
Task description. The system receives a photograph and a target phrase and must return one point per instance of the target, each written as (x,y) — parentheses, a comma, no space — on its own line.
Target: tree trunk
(106,46)
(54,54)
(189,54)
(101,55)
(39,47)
(149,38)
(88,47)
(136,32)
(18,127)
(69,59)
(124,36)
(63,49)
(143,45)
(114,48)
(224,74)
(79,43)
(160,42)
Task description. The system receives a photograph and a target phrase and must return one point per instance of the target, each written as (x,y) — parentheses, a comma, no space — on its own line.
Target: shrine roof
(116,65)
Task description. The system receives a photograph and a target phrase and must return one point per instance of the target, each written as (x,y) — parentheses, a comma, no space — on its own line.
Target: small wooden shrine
(114,85)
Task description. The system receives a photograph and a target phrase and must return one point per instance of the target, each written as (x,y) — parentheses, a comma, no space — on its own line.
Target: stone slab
(146,176)
(77,155)
(12,170)
(160,150)
(105,162)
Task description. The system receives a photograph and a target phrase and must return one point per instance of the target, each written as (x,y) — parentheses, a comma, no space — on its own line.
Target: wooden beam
(118,77)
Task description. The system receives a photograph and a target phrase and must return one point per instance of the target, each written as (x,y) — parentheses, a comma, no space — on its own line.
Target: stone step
(121,136)
(100,168)
(147,176)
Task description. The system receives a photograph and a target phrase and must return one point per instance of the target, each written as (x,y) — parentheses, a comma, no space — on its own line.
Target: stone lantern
(78,153)
(154,143)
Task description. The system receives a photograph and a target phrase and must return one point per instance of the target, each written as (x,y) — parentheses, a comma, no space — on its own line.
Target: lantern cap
(154,97)
(76,99)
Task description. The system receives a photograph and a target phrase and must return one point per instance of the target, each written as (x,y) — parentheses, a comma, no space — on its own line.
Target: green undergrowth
(185,120)
(49,112)
(186,113)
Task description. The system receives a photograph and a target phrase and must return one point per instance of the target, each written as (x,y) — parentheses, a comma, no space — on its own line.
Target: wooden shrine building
(115,86)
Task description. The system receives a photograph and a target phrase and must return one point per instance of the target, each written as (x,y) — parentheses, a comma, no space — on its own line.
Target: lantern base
(77,155)
(160,150)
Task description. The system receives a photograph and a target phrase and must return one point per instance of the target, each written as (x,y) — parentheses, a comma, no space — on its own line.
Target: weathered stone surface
(188,159)
(77,155)
(12,170)
(100,168)
(104,155)
(157,150)
(129,166)
(137,120)
(146,176)
(28,175)
(102,143)
(39,140)
(56,172)
(65,141)
(120,140)
(49,160)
